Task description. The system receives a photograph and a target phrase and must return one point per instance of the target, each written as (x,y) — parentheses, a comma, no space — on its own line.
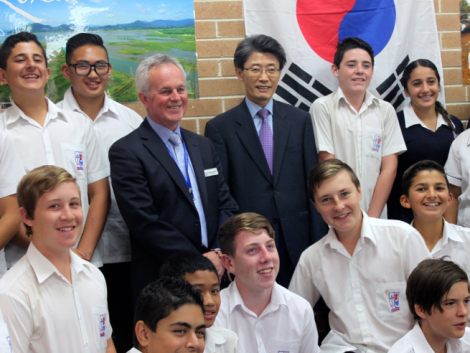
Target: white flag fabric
(399,31)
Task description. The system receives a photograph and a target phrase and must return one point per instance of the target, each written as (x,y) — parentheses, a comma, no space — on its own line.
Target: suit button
(197,223)
(276,193)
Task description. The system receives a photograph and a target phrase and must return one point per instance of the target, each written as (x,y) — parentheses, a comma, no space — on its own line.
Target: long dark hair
(427,63)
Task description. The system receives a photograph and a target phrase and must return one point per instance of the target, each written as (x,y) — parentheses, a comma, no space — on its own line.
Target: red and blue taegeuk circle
(325,22)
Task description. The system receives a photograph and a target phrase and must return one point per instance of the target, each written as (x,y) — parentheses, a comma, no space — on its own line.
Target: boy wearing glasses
(267,149)
(88,68)
(44,134)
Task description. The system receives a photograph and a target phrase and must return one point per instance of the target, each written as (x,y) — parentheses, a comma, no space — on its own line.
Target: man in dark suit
(168,181)
(267,149)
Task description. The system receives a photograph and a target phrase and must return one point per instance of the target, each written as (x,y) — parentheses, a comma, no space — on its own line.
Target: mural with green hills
(126,48)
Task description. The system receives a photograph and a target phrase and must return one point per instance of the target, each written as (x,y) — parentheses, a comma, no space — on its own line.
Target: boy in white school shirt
(51,299)
(438,297)
(356,127)
(88,68)
(201,273)
(360,267)
(265,316)
(44,134)
(169,318)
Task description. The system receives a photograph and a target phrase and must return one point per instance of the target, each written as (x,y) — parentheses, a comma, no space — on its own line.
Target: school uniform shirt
(134,350)
(66,140)
(365,292)
(415,342)
(285,325)
(221,340)
(359,139)
(11,172)
(458,172)
(5,344)
(44,312)
(421,143)
(113,122)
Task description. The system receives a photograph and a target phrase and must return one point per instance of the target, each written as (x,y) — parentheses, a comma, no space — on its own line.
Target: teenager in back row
(428,129)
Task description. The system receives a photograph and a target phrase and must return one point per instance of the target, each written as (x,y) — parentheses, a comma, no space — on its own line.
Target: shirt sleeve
(11,167)
(309,343)
(321,121)
(302,282)
(17,316)
(393,137)
(98,164)
(415,251)
(453,167)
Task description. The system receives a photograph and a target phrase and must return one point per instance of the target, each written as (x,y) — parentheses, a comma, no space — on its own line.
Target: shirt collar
(421,345)
(70,103)
(412,119)
(368,100)
(366,232)
(14,113)
(162,131)
(450,233)
(213,337)
(43,268)
(277,299)
(254,108)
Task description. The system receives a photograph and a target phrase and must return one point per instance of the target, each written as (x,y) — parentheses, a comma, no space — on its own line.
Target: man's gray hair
(142,73)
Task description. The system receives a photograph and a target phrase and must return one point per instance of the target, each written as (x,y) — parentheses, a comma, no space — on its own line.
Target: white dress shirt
(366,292)
(66,140)
(415,342)
(113,122)
(5,344)
(286,325)
(458,172)
(221,340)
(359,139)
(257,120)
(11,172)
(412,119)
(134,350)
(44,312)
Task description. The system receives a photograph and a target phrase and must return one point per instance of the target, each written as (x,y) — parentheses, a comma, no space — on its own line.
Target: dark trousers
(121,313)
(286,268)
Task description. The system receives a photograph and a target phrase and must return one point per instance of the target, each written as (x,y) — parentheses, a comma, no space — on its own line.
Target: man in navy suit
(267,149)
(168,181)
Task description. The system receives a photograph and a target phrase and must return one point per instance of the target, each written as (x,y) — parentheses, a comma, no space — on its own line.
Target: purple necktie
(266,138)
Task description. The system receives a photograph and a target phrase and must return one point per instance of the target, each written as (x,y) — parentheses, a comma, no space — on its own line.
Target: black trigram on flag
(297,88)
(391,89)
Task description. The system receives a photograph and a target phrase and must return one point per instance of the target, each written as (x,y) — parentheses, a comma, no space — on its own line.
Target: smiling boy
(88,69)
(44,134)
(201,273)
(169,318)
(438,297)
(266,316)
(51,289)
(358,128)
(359,268)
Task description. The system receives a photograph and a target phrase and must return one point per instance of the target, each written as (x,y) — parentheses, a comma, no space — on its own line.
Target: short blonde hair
(326,170)
(249,221)
(36,183)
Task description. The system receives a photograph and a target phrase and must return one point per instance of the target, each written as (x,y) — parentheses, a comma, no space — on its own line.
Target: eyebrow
(202,285)
(87,62)
(23,54)
(185,324)
(426,184)
(55,200)
(339,192)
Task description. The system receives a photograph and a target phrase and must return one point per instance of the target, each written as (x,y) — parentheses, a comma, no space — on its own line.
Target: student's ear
(450,199)
(359,190)
(24,217)
(65,71)
(3,77)
(334,70)
(420,312)
(405,202)
(239,73)
(406,93)
(141,333)
(227,263)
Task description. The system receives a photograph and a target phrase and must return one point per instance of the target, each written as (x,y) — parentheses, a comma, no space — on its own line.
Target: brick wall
(220,26)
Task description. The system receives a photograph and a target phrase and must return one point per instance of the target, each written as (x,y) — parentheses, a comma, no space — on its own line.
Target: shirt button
(366,333)
(86,344)
(359,308)
(356,285)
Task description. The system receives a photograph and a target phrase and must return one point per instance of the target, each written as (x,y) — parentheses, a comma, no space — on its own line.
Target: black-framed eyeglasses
(257,71)
(84,69)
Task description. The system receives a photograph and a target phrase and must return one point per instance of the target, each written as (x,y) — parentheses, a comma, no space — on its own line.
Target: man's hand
(215,259)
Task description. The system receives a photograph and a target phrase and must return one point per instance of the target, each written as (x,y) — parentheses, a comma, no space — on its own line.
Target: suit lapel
(198,167)
(281,128)
(250,139)
(154,144)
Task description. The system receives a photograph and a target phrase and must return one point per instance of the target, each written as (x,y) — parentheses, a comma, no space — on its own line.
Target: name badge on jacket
(211,172)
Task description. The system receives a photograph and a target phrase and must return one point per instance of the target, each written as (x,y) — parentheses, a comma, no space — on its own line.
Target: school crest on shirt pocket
(373,142)
(391,303)
(74,159)
(101,326)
